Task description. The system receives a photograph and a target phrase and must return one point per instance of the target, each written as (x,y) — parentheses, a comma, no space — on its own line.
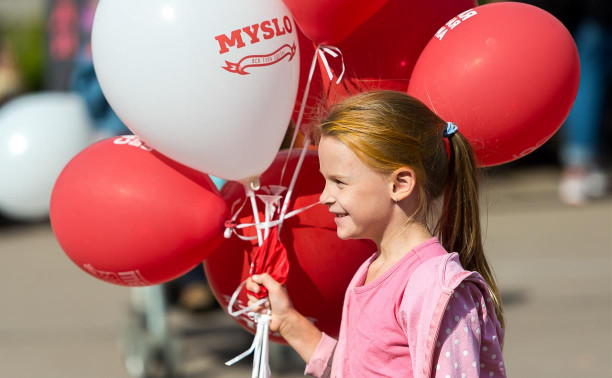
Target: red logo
(131,278)
(261,60)
(254,33)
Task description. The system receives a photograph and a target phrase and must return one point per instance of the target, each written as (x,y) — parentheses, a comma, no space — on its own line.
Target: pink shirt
(423,317)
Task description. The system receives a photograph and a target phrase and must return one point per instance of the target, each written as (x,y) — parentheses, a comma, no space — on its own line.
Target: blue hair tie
(451,128)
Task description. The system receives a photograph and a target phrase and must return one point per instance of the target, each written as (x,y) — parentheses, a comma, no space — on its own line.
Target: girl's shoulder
(441,289)
(441,273)
(432,285)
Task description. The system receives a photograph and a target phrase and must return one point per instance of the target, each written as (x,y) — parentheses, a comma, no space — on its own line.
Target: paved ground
(553,263)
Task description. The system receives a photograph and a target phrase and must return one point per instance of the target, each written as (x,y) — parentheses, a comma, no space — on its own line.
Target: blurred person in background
(583,177)
(580,154)
(85,83)
(11,82)
(83,79)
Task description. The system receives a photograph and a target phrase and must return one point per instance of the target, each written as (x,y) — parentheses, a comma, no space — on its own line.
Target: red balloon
(327,22)
(381,53)
(130,216)
(321,264)
(507,74)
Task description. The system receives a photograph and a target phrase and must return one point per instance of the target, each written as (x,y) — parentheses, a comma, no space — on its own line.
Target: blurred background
(547,223)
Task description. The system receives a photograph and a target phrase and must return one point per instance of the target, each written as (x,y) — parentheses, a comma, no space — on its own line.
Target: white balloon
(210,84)
(39,134)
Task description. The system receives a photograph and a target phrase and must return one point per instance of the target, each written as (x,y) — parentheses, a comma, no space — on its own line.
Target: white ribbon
(300,114)
(251,195)
(322,50)
(334,52)
(264,225)
(298,167)
(260,346)
(228,230)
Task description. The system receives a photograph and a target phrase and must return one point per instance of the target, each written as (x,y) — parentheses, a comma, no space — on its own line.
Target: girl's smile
(339,217)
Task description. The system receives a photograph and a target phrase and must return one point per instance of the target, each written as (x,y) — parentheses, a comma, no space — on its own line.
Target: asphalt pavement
(553,264)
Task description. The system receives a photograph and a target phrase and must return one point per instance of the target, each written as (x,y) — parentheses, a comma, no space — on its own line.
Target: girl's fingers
(266,280)
(256,308)
(252,286)
(260,308)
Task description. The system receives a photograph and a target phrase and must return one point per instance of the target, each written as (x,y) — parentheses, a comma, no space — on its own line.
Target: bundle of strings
(260,345)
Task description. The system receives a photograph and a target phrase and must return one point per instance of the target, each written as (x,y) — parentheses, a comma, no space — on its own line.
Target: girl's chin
(345,229)
(344,235)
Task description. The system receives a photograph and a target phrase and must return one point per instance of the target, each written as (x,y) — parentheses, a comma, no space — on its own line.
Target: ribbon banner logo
(261,60)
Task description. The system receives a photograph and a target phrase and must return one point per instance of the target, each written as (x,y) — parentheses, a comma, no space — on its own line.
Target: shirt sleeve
(321,361)
(468,345)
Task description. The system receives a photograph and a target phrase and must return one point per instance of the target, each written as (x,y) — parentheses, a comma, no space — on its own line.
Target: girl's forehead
(332,151)
(335,157)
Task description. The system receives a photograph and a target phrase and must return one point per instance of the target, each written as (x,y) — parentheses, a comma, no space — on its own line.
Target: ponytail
(459,226)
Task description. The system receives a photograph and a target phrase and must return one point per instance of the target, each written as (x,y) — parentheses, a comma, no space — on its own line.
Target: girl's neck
(394,245)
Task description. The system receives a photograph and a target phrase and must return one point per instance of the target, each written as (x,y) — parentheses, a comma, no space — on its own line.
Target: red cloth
(271,258)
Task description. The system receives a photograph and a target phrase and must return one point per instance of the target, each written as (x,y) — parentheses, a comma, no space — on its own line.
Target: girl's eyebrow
(333,176)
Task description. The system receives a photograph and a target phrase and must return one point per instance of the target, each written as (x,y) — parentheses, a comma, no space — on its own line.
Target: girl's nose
(325,198)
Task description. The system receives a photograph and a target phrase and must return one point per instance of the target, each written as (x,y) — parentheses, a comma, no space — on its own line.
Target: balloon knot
(230,225)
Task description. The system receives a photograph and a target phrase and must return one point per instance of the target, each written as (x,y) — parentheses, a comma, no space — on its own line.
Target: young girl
(413,309)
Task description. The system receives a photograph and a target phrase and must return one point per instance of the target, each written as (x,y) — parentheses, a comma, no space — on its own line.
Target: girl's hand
(302,335)
(278,300)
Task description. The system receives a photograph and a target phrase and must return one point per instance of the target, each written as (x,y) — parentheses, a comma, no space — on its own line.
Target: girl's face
(359,197)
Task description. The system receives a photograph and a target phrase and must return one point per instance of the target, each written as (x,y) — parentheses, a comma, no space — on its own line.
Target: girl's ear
(403,183)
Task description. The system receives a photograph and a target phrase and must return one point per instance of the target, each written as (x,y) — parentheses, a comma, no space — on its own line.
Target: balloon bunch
(205,88)
(211,87)
(506,73)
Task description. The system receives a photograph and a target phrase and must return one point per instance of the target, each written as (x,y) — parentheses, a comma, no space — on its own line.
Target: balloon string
(321,50)
(300,114)
(334,52)
(268,215)
(292,185)
(251,195)
(228,231)
(260,345)
(234,298)
(269,224)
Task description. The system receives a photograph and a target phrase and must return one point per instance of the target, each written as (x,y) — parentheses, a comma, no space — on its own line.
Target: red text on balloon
(235,39)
